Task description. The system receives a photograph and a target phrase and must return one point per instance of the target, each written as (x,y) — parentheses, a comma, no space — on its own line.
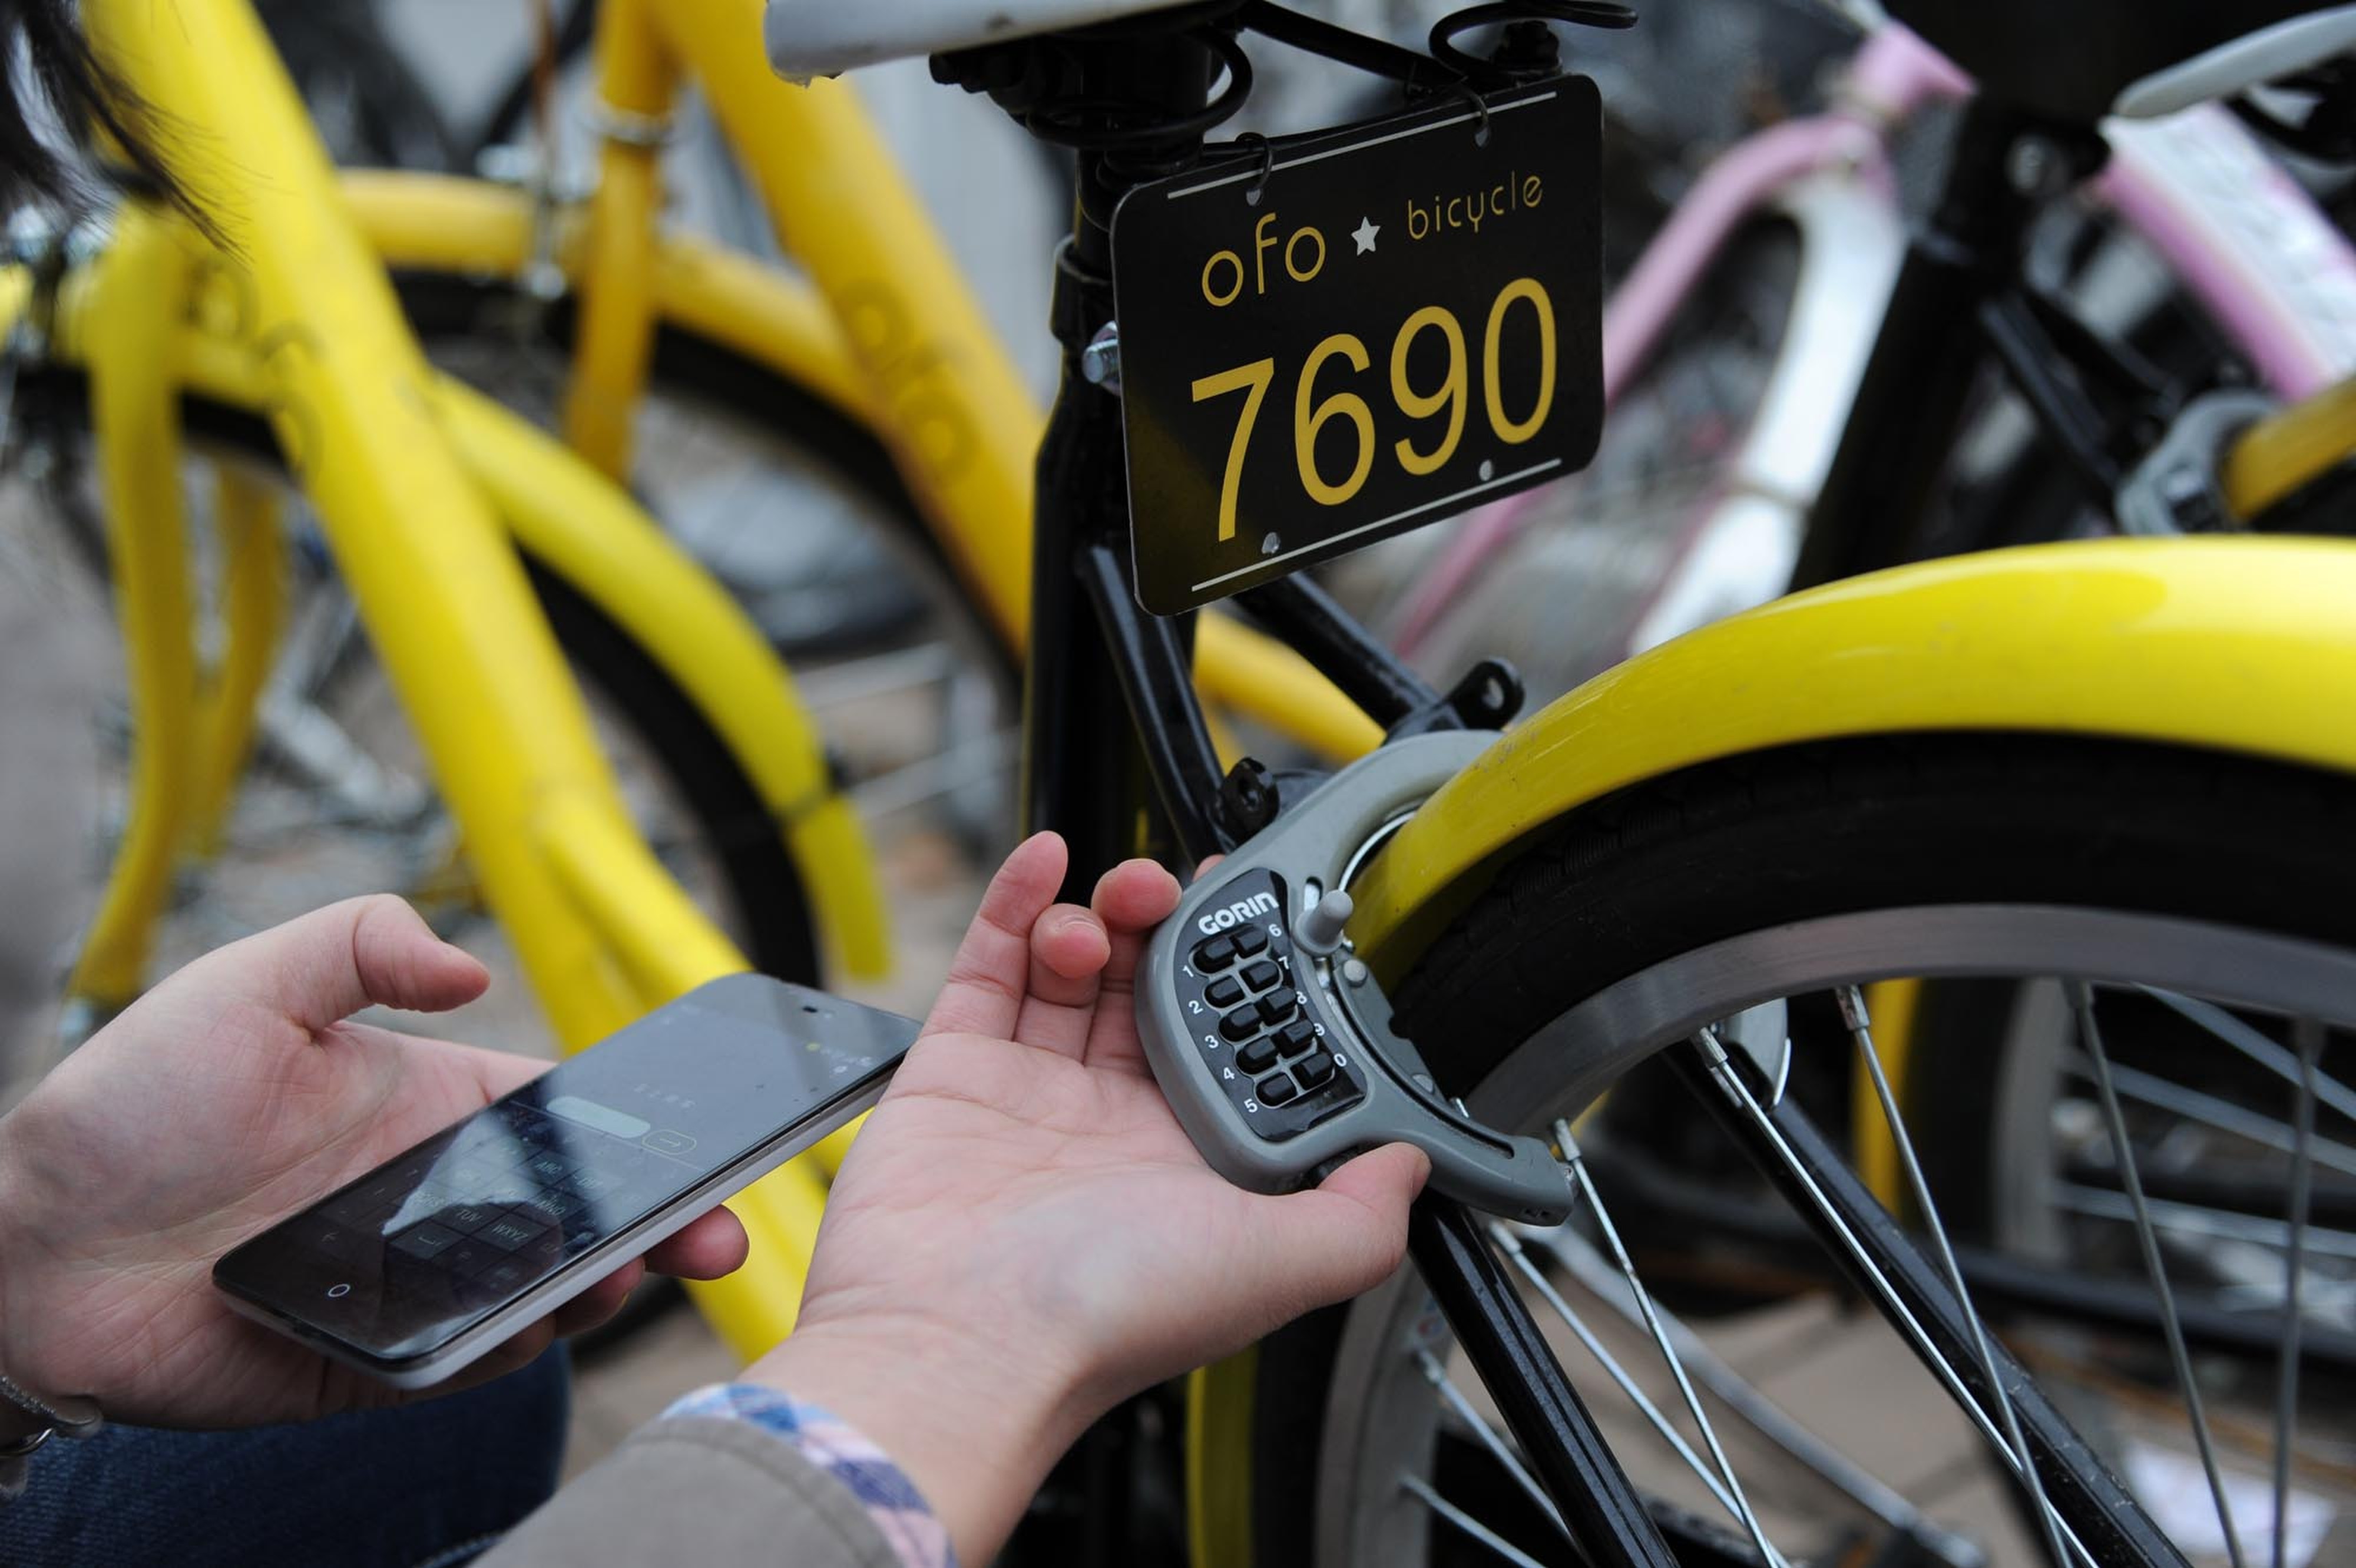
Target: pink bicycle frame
(2233,229)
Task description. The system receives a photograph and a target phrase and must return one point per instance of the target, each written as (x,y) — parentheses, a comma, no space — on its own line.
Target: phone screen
(410,1255)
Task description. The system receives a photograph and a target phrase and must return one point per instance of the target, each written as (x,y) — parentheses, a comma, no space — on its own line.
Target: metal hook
(1266,166)
(1480,112)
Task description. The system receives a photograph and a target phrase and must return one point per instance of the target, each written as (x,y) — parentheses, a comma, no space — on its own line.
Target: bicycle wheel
(1641,919)
(800,511)
(337,800)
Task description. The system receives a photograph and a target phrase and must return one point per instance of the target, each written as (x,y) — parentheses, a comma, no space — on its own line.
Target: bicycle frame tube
(134,414)
(2231,227)
(934,381)
(436,581)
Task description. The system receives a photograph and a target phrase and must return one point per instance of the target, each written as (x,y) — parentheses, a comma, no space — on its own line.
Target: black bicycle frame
(1118,758)
(1960,301)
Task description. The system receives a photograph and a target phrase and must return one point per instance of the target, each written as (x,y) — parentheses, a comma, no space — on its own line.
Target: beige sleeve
(692,1490)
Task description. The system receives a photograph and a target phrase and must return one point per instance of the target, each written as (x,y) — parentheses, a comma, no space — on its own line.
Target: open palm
(233,1094)
(1022,1235)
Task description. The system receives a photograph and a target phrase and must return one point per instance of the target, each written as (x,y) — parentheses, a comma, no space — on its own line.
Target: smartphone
(441,1254)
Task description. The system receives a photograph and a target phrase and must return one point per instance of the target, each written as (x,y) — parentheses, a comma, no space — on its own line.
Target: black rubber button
(1223,992)
(1275,1089)
(1277,1005)
(1241,1024)
(1314,1070)
(1296,1037)
(1215,954)
(1249,940)
(1258,1057)
(1261,975)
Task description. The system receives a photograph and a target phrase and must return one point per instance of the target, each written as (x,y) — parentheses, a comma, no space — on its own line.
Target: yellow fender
(2229,643)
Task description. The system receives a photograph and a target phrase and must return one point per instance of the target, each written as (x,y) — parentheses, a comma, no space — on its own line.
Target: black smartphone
(412,1271)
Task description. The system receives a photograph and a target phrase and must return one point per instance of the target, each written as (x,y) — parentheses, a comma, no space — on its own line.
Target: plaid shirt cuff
(832,1444)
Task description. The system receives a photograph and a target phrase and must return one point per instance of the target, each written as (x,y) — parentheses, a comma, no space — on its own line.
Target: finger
(1069,947)
(498,1072)
(1130,900)
(511,1356)
(600,1301)
(1346,1236)
(710,1246)
(1204,866)
(983,994)
(328,965)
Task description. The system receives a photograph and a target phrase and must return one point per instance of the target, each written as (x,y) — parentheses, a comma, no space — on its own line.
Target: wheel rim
(1381,1408)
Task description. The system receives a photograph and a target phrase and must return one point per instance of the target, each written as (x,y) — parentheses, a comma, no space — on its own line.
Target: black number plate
(1367,332)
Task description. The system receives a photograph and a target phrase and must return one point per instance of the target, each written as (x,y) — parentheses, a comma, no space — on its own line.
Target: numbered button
(1315,1071)
(1223,992)
(1258,1057)
(1215,954)
(1251,940)
(1241,1024)
(1275,1089)
(1297,1037)
(1277,1005)
(1261,975)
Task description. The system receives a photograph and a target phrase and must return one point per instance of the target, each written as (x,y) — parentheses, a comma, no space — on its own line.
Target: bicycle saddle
(827,38)
(2139,58)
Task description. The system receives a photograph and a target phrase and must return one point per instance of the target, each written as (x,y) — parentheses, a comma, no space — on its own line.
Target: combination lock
(1273,1044)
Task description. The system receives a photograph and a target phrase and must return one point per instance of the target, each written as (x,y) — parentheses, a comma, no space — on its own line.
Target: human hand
(236,1092)
(1022,1235)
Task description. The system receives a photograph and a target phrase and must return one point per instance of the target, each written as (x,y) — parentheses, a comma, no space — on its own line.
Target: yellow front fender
(2233,644)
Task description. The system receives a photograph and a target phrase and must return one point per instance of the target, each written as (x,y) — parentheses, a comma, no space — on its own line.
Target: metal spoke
(1437,1375)
(2197,1221)
(2222,1114)
(1577,1165)
(1509,1244)
(2283,1063)
(1860,1028)
(1720,1070)
(2082,999)
(2307,1037)
(1755,1409)
(1415,1486)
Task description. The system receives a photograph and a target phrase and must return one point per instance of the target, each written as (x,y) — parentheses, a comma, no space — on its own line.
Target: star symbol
(1365,234)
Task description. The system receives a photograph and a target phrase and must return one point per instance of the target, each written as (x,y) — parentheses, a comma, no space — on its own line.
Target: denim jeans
(427,1484)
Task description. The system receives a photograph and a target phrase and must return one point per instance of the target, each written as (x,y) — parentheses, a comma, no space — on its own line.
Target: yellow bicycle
(1951,710)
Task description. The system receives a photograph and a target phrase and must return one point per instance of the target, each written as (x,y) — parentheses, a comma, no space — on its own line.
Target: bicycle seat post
(1133,106)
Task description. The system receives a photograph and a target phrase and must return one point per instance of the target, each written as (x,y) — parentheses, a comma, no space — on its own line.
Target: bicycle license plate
(1362,333)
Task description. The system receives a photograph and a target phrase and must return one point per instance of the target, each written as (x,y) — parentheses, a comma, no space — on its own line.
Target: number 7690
(1310,414)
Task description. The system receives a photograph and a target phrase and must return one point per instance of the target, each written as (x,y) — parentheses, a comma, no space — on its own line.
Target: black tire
(1726,848)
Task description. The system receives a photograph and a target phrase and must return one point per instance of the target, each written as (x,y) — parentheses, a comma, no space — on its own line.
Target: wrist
(974,1425)
(17,1233)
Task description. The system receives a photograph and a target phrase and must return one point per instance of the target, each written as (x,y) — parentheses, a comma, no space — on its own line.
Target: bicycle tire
(1748,844)
(773,918)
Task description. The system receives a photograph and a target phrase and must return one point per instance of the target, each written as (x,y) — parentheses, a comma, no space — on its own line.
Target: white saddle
(827,38)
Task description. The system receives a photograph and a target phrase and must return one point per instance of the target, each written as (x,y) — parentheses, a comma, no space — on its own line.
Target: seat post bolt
(1100,359)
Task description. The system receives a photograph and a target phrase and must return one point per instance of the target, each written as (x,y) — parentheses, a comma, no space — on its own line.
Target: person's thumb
(1345,1236)
(328,965)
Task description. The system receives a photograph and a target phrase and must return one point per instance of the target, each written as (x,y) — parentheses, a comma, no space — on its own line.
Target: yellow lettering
(1424,405)
(1232,260)
(1314,268)
(1514,431)
(1252,382)
(1307,422)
